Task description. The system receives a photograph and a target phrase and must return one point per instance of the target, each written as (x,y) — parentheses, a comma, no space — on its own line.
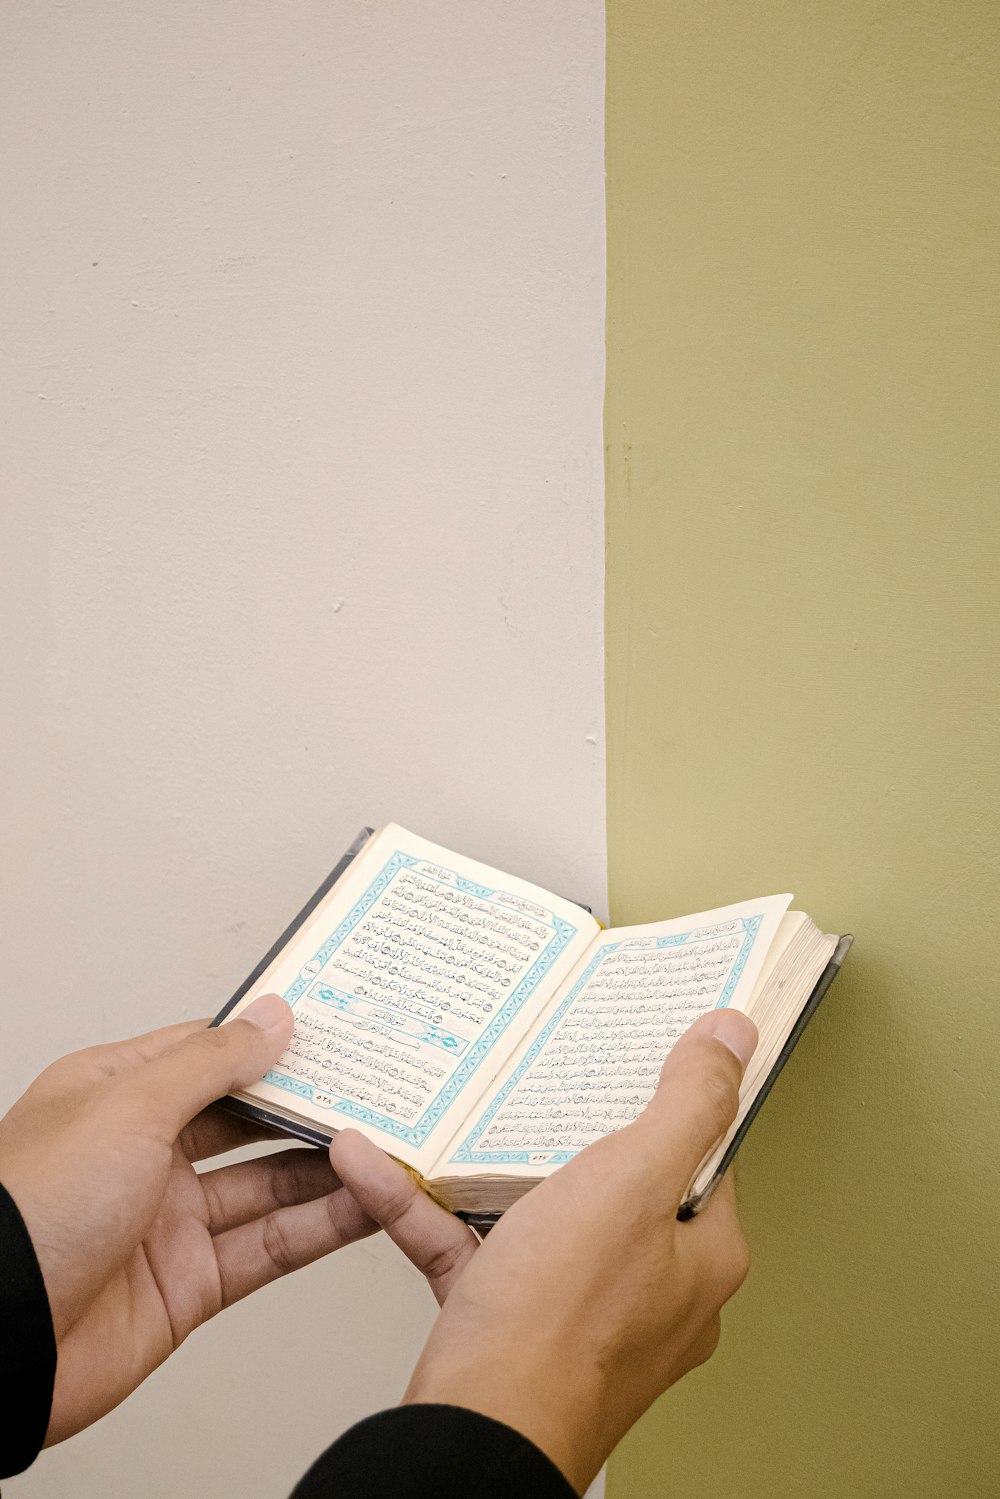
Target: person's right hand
(589,1298)
(135,1247)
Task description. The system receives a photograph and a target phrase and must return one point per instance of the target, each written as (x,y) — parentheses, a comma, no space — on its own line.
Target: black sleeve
(433,1452)
(27,1345)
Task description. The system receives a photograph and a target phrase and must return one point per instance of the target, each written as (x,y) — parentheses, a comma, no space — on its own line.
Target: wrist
(551,1405)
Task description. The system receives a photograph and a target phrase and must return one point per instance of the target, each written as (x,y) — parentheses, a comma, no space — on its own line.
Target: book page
(593,1061)
(411,983)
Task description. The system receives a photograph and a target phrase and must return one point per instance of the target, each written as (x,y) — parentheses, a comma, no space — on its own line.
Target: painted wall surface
(301,371)
(802,664)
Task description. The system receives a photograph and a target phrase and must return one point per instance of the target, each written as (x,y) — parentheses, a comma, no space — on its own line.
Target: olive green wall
(802,666)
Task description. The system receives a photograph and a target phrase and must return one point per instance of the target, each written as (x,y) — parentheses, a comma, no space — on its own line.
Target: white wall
(301,368)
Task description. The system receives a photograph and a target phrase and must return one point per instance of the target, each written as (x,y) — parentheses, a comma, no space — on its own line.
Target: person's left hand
(136,1248)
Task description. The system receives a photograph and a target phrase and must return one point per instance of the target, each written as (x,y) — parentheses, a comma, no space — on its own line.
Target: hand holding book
(136,1248)
(460,1018)
(589,1298)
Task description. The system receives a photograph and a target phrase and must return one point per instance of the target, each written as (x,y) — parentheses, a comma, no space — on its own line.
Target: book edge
(691,1206)
(347,858)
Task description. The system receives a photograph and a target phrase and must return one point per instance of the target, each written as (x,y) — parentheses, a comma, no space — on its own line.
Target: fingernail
(737,1031)
(269,1011)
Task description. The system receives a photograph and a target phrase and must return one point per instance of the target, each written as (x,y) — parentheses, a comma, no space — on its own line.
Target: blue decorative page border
(563,933)
(467,1155)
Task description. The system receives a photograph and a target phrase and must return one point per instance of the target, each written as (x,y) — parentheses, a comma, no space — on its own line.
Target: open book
(483,1030)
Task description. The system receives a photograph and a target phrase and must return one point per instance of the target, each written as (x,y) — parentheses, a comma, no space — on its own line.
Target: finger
(209,1063)
(436,1242)
(698,1095)
(215,1130)
(704,1344)
(251,1189)
(288,1239)
(715,1238)
(722,1202)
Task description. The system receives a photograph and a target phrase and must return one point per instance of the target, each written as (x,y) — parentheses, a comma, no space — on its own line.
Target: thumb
(698,1093)
(210,1063)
